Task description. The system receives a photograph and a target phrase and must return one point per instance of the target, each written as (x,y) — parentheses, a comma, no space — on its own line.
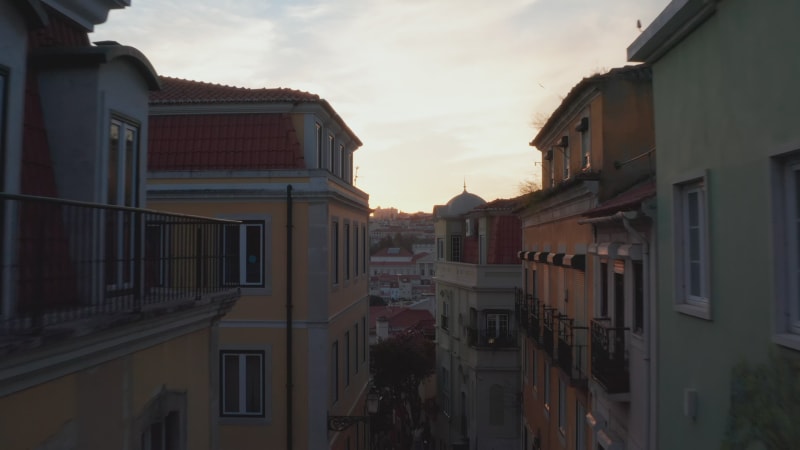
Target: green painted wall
(726,98)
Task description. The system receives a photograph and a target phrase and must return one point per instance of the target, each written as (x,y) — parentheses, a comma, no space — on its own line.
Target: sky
(442,93)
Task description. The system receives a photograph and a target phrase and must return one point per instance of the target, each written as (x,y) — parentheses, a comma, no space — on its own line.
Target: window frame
(347,252)
(242,255)
(320,151)
(586,143)
(242,393)
(786,231)
(456,249)
(567,159)
(684,301)
(334,364)
(335,250)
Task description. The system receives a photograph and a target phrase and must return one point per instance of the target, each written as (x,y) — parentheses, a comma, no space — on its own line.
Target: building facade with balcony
(596,151)
(477,350)
(107,329)
(728,185)
(294,351)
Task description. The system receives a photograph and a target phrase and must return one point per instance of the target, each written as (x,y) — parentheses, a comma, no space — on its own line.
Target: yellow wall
(98,406)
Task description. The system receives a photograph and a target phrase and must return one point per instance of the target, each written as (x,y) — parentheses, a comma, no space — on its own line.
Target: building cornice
(29,368)
(679,19)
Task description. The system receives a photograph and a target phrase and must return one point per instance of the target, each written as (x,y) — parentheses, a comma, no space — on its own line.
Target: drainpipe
(289,226)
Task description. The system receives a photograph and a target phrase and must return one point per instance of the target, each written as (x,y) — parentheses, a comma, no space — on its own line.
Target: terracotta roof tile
(223,142)
(179,91)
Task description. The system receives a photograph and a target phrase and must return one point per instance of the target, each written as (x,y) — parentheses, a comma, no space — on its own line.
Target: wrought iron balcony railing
(521,309)
(610,356)
(571,352)
(548,330)
(491,338)
(444,322)
(67,264)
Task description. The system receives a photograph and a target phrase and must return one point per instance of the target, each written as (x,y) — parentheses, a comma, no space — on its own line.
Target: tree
(375,300)
(398,366)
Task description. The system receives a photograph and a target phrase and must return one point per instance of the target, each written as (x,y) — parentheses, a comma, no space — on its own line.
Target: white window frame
(786,223)
(685,301)
(242,252)
(456,248)
(242,383)
(495,323)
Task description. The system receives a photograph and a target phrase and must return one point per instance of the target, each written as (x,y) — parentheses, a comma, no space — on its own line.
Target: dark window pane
(231,383)
(694,244)
(694,279)
(253,248)
(156,437)
(254,383)
(172,431)
(231,255)
(693,203)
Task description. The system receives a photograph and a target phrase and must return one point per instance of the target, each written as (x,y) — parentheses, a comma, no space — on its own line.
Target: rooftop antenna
(465,184)
(355,180)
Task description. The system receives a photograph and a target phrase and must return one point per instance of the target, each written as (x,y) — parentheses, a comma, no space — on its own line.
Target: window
(580,425)
(243,253)
(586,143)
(455,248)
(364,248)
(604,288)
(638,297)
(691,246)
(335,372)
(355,342)
(567,160)
(364,338)
(534,369)
(335,251)
(163,434)
(445,390)
(439,249)
(445,315)
(482,249)
(552,167)
(3,112)
(347,358)
(331,153)
(340,159)
(562,406)
(496,325)
(320,152)
(546,387)
(123,185)
(242,381)
(346,251)
(355,250)
(787,240)
(162,423)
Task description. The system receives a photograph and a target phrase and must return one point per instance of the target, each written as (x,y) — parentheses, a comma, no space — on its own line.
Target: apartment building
(728,222)
(584,255)
(477,357)
(107,330)
(293,352)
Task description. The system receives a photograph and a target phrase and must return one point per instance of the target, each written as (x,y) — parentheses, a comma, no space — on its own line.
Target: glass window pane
(694,244)
(694,279)
(230,383)
(253,249)
(253,383)
(130,167)
(113,163)
(231,253)
(692,203)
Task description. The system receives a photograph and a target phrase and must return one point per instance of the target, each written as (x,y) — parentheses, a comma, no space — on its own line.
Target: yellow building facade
(294,350)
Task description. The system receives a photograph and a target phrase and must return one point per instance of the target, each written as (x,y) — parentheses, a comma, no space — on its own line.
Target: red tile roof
(179,91)
(223,142)
(402,318)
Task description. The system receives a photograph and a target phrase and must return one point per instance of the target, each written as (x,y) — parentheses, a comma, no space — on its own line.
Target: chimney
(382,328)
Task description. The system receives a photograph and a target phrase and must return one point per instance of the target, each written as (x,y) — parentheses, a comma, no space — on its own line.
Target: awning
(521,254)
(542,256)
(574,261)
(531,256)
(555,258)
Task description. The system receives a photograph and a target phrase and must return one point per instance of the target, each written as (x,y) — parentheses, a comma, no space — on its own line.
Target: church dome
(463,203)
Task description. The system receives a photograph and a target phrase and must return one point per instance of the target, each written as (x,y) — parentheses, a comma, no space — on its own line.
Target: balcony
(548,330)
(571,352)
(609,356)
(72,268)
(491,339)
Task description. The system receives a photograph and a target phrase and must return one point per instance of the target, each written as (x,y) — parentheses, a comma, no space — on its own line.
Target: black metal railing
(571,352)
(548,330)
(610,356)
(482,338)
(535,321)
(444,323)
(65,261)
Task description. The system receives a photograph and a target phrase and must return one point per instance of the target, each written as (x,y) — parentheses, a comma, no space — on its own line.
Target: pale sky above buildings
(441,92)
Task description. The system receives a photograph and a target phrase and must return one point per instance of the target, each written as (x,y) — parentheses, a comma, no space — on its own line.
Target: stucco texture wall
(725,99)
